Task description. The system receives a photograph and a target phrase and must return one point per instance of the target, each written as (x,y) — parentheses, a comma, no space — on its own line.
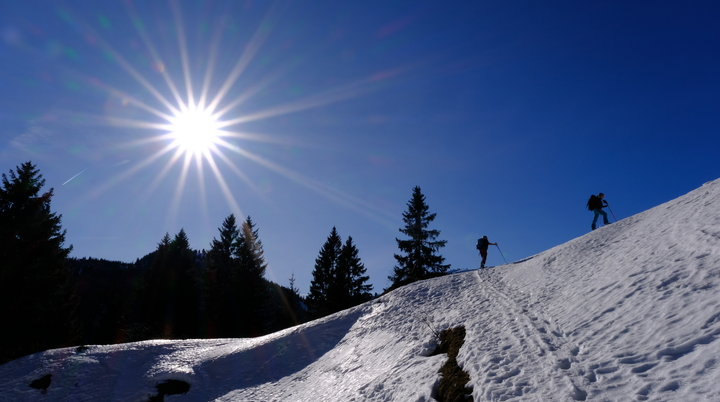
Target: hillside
(627,312)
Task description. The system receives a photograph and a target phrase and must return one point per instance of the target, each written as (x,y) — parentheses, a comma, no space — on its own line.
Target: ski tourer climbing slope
(482,245)
(595,204)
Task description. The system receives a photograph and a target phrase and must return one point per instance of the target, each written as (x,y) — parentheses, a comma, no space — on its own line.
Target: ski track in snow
(629,312)
(525,355)
(640,301)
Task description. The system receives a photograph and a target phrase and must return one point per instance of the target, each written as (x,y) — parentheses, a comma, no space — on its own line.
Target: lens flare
(200,120)
(194,131)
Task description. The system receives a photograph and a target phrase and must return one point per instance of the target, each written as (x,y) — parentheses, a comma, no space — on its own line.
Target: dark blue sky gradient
(508,115)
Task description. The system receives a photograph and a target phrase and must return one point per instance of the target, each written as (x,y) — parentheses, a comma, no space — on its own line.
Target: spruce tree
(35,302)
(319,297)
(222,252)
(173,290)
(157,292)
(350,278)
(338,278)
(418,259)
(185,291)
(250,290)
(220,263)
(251,256)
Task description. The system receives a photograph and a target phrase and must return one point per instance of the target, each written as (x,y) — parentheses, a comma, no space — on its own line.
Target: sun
(194,130)
(202,121)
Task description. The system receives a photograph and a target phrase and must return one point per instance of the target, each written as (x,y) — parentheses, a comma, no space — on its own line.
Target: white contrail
(76,175)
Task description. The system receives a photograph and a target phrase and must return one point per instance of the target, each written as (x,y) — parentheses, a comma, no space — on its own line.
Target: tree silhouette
(35,302)
(220,263)
(348,286)
(338,278)
(250,287)
(185,291)
(173,290)
(418,260)
(318,298)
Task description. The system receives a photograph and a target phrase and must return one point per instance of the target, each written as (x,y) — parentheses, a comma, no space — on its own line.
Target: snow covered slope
(628,312)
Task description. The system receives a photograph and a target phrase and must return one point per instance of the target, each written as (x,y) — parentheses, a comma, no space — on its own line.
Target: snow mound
(627,312)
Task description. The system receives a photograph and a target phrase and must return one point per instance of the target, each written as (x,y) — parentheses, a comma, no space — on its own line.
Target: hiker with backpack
(595,204)
(482,245)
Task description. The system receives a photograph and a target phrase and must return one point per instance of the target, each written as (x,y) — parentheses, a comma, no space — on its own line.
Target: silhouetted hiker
(482,245)
(596,203)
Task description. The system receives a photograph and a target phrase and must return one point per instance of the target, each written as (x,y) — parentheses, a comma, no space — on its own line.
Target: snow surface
(629,312)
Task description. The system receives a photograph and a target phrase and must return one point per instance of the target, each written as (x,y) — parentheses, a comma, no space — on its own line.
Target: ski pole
(611,212)
(501,253)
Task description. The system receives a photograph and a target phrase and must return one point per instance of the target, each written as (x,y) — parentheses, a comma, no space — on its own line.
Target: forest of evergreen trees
(50,300)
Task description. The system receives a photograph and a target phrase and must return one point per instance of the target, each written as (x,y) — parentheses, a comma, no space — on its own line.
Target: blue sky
(508,115)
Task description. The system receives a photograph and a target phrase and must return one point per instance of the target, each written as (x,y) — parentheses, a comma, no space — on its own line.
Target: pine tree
(250,253)
(338,278)
(418,260)
(163,248)
(173,290)
(319,297)
(35,302)
(185,290)
(222,252)
(293,288)
(156,292)
(350,277)
(220,264)
(250,290)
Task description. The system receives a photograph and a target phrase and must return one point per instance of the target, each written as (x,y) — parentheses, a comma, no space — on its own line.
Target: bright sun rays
(204,127)
(194,130)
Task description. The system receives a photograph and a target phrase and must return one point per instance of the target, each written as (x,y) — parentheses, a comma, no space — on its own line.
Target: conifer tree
(163,248)
(157,292)
(250,284)
(338,278)
(318,299)
(36,308)
(250,253)
(222,252)
(220,263)
(173,290)
(185,294)
(349,284)
(418,259)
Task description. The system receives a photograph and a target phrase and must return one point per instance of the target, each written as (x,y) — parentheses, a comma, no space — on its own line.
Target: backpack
(482,244)
(593,202)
